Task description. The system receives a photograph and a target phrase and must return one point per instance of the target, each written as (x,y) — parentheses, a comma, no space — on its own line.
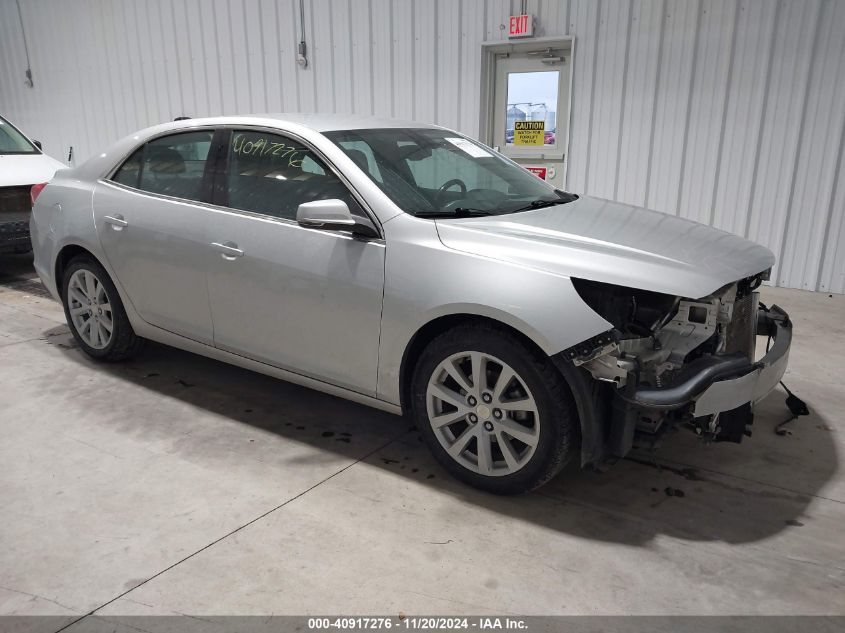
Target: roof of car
(319,122)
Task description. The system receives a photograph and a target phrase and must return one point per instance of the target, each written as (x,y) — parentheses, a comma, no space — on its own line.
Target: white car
(22,165)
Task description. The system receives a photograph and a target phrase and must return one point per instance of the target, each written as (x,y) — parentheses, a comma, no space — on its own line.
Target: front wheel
(496,414)
(95,313)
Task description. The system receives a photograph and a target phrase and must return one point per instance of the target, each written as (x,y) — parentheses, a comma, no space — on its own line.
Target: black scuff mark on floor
(690,474)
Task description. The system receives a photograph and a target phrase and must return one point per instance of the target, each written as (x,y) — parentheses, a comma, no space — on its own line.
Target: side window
(171,165)
(130,170)
(273,175)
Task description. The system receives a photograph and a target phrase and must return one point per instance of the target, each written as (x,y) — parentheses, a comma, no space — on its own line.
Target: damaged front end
(671,361)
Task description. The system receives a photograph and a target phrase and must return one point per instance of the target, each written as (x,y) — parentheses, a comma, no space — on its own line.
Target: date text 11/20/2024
(417,623)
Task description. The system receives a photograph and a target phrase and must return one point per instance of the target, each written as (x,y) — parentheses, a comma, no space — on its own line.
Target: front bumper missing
(720,384)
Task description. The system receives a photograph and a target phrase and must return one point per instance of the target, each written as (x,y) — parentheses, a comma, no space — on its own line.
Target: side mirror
(334,215)
(37,144)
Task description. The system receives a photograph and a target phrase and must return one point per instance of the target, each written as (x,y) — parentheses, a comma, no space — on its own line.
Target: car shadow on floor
(687,489)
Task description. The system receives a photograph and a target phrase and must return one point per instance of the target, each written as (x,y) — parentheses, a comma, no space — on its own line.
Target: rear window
(170,165)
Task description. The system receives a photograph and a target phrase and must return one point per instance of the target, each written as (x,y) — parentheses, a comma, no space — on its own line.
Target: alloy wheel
(90,309)
(483,413)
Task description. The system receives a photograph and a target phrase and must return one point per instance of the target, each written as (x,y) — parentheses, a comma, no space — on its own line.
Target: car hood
(612,243)
(27,169)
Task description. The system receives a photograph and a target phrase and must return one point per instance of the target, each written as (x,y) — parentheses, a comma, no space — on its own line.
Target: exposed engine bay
(662,352)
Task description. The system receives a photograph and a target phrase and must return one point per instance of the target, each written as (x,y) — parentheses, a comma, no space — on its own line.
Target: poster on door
(529,133)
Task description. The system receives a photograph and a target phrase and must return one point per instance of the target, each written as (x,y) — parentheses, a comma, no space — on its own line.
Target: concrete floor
(175,484)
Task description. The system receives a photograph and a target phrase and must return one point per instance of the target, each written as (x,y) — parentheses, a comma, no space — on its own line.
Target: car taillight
(36,189)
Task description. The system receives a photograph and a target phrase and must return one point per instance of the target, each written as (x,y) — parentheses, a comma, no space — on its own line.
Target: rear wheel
(95,313)
(496,414)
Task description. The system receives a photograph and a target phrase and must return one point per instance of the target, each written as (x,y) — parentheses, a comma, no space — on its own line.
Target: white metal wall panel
(447,45)
(584,27)
(606,111)
(361,66)
(496,14)
(344,76)
(674,85)
(381,12)
(425,61)
(833,261)
(639,98)
(820,144)
(711,73)
(403,59)
(472,34)
(754,41)
(797,28)
(730,112)
(552,17)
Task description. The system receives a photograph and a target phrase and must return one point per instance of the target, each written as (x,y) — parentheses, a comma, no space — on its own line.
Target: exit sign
(521,25)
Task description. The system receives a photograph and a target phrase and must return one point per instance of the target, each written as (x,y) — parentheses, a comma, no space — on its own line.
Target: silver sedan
(407,267)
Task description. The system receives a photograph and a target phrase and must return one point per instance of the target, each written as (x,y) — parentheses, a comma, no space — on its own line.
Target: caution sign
(529,133)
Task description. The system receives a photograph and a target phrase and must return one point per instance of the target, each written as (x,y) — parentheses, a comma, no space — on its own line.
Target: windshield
(436,173)
(12,141)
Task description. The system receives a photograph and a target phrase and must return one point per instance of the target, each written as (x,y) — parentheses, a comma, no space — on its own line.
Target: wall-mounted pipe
(302,50)
(28,72)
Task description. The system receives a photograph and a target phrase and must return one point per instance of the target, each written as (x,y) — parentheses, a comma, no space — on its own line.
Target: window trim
(213,160)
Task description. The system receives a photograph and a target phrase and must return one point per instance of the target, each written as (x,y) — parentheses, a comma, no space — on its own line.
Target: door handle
(116,221)
(229,250)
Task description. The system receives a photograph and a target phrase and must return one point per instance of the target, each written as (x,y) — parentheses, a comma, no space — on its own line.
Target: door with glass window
(303,299)
(531,110)
(154,234)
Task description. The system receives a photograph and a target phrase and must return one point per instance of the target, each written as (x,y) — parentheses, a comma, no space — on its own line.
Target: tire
(122,342)
(537,399)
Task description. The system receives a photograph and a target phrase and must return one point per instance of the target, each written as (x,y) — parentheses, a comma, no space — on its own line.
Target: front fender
(425,280)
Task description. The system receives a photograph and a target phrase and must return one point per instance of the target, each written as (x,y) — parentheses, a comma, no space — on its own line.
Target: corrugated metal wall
(729,112)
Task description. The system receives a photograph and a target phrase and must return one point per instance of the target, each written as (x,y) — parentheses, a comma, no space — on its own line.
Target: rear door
(303,299)
(153,230)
